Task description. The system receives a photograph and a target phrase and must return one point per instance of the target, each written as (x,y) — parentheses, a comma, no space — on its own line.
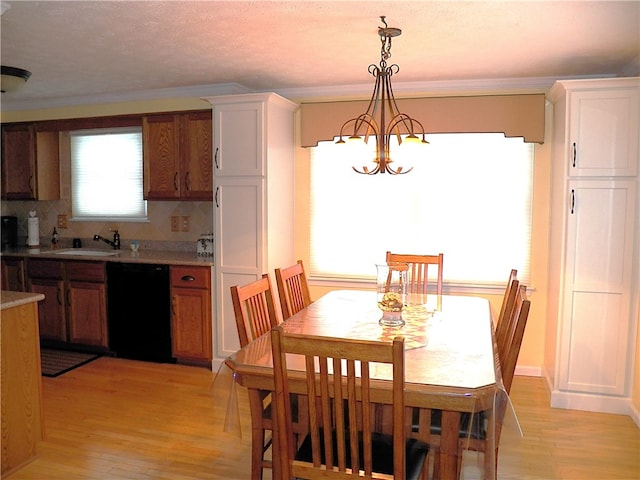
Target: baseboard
(591,402)
(528,371)
(635,415)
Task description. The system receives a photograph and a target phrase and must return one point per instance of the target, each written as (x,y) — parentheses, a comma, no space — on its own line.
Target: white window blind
(468,196)
(107,174)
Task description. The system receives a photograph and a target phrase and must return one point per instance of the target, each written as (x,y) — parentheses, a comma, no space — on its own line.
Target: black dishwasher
(139,305)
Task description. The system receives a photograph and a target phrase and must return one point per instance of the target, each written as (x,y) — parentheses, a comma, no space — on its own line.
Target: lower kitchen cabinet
(47,277)
(74,311)
(191,314)
(13,274)
(86,301)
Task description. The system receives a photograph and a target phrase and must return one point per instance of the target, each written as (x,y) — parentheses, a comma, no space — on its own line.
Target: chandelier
(383,104)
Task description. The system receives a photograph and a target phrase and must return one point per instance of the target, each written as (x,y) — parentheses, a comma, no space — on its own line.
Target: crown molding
(197,91)
(305,94)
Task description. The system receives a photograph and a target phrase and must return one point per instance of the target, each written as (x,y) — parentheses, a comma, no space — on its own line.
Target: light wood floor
(118,419)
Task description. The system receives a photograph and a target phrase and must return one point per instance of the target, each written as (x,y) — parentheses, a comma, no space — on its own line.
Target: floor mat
(57,362)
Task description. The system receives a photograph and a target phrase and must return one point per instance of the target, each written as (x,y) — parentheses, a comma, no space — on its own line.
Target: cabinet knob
(188,278)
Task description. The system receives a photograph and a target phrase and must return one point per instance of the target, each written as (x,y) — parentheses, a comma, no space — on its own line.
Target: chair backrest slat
(254,309)
(293,289)
(420,270)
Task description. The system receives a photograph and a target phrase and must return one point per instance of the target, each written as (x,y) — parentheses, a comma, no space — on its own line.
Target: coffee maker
(9,232)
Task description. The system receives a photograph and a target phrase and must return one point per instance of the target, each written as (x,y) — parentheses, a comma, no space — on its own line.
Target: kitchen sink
(86,253)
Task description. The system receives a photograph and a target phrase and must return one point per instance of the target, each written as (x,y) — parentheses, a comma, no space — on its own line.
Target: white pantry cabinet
(593,268)
(253,145)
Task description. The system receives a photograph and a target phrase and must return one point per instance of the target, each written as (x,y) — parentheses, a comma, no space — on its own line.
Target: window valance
(513,115)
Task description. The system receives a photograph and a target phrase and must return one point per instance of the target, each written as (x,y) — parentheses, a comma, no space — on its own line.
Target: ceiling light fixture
(13,78)
(383,103)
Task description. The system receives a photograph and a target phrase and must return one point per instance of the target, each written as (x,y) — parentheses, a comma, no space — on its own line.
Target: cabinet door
(191,313)
(239,249)
(597,296)
(238,139)
(19,162)
(161,143)
(238,223)
(87,313)
(603,139)
(51,311)
(13,274)
(197,160)
(191,323)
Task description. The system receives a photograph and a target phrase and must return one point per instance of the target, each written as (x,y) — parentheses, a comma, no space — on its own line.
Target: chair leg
(257,438)
(257,434)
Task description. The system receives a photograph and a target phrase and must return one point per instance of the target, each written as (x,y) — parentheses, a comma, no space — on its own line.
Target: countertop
(15,299)
(161,257)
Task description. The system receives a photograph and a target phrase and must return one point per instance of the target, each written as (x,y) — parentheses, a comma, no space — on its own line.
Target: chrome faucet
(115,243)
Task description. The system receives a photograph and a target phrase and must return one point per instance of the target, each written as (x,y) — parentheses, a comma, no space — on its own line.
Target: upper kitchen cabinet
(177,156)
(30,163)
(238,151)
(242,135)
(602,127)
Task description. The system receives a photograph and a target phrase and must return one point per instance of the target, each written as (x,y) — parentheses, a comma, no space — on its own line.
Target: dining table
(451,366)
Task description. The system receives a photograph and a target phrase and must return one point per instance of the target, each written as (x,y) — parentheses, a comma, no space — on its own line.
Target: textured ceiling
(80,48)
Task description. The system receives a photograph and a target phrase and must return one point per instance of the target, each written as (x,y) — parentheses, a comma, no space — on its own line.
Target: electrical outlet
(185,223)
(62,221)
(175,223)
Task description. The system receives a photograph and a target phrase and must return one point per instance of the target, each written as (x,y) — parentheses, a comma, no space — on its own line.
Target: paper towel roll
(33,232)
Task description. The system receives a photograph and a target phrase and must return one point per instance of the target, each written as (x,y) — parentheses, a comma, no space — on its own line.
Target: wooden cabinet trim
(190,277)
(45,268)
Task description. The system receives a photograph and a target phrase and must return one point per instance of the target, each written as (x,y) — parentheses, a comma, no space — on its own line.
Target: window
(106,175)
(468,197)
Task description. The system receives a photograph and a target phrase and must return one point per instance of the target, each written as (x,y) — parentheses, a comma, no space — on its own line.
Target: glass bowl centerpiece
(391,283)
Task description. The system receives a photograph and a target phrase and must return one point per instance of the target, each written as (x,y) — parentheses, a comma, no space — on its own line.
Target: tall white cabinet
(593,286)
(253,145)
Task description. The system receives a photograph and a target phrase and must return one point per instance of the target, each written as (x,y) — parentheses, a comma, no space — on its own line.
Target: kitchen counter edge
(122,256)
(9,299)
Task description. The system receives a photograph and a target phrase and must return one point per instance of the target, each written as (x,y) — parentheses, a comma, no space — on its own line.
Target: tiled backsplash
(154,234)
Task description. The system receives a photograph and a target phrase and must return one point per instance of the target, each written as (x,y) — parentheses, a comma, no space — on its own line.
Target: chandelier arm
(366,171)
(392,106)
(358,122)
(408,122)
(372,108)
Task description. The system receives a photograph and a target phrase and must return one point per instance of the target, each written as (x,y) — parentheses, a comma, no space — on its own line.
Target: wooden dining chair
(506,317)
(515,334)
(341,443)
(420,270)
(293,289)
(478,439)
(473,431)
(255,315)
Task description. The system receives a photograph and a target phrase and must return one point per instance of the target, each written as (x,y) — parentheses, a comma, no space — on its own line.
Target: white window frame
(356,218)
(107,175)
